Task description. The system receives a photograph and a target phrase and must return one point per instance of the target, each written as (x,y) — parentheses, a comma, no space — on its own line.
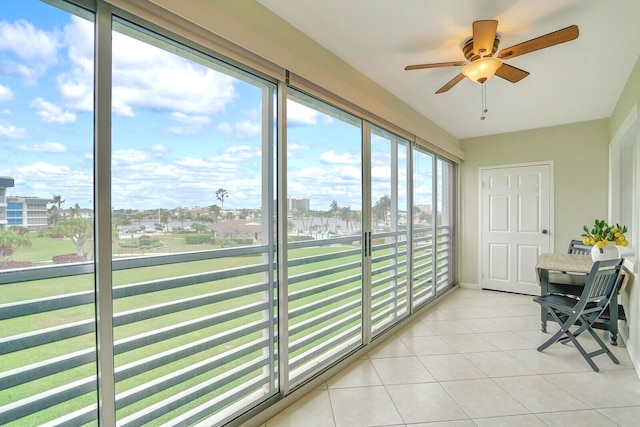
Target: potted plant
(604,237)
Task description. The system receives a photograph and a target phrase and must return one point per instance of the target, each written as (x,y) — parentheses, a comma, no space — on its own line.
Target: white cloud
(41,178)
(47,147)
(193,123)
(381,172)
(246,129)
(76,84)
(8,130)
(225,128)
(300,115)
(144,77)
(129,156)
(37,48)
(51,113)
(6,94)
(160,149)
(29,43)
(344,158)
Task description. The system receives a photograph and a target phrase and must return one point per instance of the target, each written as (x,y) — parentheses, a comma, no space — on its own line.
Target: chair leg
(564,334)
(551,340)
(604,347)
(587,356)
(564,325)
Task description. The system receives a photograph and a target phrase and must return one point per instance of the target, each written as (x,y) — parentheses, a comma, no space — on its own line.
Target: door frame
(481,169)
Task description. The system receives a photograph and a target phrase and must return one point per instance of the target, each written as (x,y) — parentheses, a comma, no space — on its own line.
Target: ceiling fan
(479,51)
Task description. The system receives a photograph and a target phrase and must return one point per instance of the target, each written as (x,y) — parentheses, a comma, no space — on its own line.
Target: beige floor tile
(625,417)
(555,359)
(483,398)
(457,423)
(422,346)
(469,343)
(358,374)
(451,367)
(433,315)
(425,403)
(539,394)
(498,364)
(416,329)
(447,327)
(402,370)
(392,347)
(526,309)
(510,421)
(587,418)
(507,340)
(461,313)
(424,377)
(363,406)
(626,379)
(313,410)
(596,390)
(520,323)
(484,325)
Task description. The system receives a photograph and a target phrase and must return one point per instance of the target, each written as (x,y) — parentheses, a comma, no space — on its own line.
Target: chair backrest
(602,282)
(577,247)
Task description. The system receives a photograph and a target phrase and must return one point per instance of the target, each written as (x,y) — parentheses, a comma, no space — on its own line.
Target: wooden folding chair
(570,312)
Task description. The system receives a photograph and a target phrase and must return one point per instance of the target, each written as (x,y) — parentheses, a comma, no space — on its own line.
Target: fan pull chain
(484,100)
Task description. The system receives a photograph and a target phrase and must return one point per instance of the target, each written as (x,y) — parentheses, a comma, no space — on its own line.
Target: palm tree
(221,194)
(345,215)
(334,209)
(164,219)
(75,210)
(57,199)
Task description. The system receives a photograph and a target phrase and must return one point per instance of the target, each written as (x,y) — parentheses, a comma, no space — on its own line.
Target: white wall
(627,104)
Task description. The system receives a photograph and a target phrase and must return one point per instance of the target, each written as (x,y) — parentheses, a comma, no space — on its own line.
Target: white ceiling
(571,82)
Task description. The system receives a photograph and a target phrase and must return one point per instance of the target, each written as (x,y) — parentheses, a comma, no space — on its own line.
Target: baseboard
(634,355)
(469,285)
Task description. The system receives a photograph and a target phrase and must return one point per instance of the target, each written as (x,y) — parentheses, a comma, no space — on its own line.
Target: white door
(516,226)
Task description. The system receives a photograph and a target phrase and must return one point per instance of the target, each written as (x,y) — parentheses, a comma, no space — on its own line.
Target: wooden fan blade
(484,34)
(435,65)
(454,81)
(548,40)
(511,73)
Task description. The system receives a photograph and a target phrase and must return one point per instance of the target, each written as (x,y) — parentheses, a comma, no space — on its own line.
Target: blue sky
(180,131)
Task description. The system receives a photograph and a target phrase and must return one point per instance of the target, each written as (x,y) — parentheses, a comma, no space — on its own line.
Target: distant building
(85,213)
(5,182)
(30,212)
(294,203)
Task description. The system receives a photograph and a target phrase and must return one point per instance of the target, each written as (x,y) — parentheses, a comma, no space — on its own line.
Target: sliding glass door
(423,231)
(324,190)
(193,241)
(389,229)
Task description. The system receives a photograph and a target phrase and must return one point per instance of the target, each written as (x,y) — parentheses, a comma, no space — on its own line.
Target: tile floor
(472,361)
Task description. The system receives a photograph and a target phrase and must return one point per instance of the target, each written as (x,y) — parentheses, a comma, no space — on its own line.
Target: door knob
(545,231)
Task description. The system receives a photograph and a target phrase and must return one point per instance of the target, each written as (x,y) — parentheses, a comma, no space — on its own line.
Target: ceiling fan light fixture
(482,69)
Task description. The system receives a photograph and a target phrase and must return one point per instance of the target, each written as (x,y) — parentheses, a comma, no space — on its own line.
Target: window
(193,253)
(389,219)
(324,168)
(423,233)
(187,214)
(47,330)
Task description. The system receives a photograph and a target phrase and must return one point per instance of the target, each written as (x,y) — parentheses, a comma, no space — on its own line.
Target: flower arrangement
(602,233)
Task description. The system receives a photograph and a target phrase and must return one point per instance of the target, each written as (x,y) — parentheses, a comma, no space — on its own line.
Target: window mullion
(102,209)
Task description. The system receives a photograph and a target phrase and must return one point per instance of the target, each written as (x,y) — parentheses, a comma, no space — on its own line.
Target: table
(567,274)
